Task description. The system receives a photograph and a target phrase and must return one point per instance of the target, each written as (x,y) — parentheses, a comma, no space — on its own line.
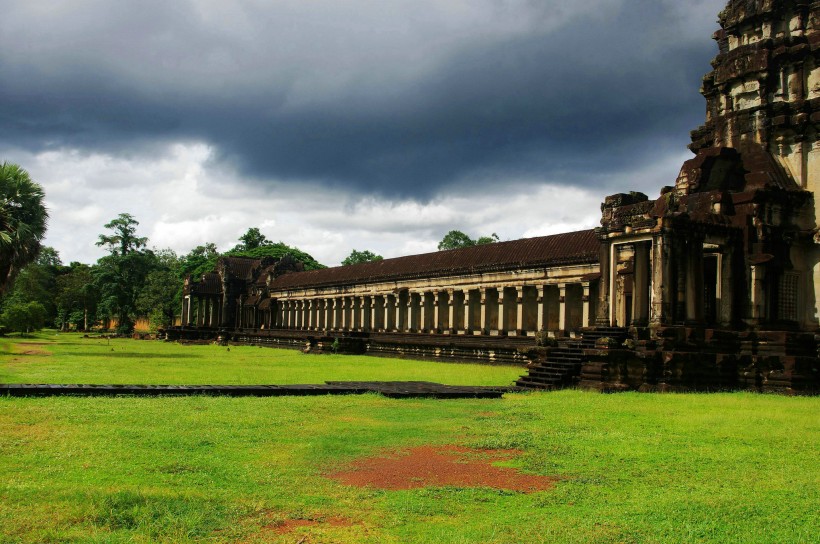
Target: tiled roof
(569,248)
(241,267)
(251,300)
(210,284)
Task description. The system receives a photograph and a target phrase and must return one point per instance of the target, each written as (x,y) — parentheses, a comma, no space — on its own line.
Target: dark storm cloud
(565,95)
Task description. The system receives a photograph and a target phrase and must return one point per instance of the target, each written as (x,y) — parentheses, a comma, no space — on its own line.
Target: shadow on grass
(131,355)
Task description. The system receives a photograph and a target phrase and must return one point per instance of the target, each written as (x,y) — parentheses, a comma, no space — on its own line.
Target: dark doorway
(710,288)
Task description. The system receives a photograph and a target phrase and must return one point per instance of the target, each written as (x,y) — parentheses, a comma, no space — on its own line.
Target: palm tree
(23,219)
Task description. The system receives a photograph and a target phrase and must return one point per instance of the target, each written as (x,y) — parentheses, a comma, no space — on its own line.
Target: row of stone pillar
(516,310)
(201,311)
(669,283)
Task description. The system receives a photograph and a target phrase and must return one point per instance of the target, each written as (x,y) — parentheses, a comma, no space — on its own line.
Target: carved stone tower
(765,86)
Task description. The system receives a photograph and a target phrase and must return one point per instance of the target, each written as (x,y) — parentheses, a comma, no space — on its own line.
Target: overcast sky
(341,124)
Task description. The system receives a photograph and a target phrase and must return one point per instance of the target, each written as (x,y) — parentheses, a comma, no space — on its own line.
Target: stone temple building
(714,284)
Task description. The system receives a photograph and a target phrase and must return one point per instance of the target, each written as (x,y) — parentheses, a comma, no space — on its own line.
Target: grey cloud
(365,101)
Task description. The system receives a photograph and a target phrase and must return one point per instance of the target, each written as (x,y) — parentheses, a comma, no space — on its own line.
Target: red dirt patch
(438,466)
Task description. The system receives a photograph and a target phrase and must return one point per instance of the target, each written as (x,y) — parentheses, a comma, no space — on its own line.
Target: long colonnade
(503,310)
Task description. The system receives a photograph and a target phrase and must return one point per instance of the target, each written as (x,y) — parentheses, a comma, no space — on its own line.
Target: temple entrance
(630,283)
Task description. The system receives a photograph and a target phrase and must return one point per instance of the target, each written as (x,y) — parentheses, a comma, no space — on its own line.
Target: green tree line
(131,281)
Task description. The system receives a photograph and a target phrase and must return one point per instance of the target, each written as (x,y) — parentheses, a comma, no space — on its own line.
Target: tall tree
(252,240)
(123,240)
(120,276)
(23,218)
(456,239)
(357,257)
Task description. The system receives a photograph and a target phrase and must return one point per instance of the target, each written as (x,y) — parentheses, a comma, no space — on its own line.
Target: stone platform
(388,389)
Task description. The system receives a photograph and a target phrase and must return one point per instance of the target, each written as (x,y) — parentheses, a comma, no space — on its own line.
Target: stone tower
(765,86)
(764,92)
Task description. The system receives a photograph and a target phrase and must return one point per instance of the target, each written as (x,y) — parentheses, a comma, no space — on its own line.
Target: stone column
(640,290)
(585,304)
(604,319)
(397,324)
(485,315)
(408,323)
(501,317)
(436,313)
(344,314)
(451,312)
(662,287)
(726,302)
(373,326)
(354,314)
(758,294)
(466,302)
(519,310)
(423,312)
(562,307)
(386,323)
(541,291)
(334,310)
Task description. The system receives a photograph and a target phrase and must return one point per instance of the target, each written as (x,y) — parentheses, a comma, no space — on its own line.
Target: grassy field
(50,357)
(631,467)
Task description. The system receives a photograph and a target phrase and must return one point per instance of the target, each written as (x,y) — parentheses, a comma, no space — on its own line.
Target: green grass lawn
(50,357)
(631,467)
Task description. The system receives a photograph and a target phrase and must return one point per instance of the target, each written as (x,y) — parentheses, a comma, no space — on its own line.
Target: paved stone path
(388,389)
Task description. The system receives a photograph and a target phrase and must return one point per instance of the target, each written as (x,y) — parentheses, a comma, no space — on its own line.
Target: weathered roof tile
(568,248)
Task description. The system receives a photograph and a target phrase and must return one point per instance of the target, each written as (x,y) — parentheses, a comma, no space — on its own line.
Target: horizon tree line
(130,282)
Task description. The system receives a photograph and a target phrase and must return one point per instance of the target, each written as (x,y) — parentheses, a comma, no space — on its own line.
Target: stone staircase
(561,367)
